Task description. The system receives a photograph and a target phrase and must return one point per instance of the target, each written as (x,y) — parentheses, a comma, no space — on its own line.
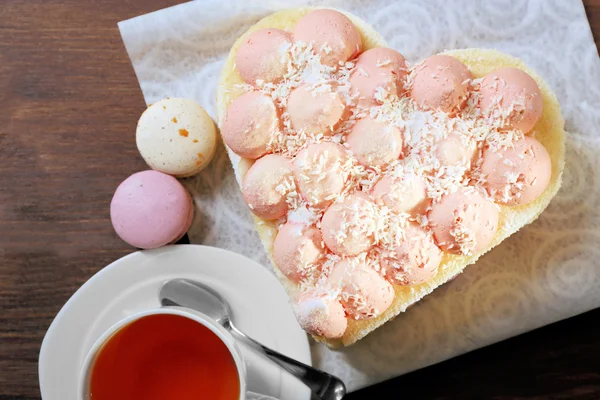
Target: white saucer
(260,307)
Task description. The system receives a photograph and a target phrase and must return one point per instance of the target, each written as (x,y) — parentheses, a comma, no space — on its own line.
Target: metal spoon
(200,297)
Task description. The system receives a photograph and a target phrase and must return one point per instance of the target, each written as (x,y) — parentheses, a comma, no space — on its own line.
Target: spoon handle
(258,396)
(323,385)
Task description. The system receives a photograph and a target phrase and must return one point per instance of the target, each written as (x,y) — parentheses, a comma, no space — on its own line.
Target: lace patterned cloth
(548,271)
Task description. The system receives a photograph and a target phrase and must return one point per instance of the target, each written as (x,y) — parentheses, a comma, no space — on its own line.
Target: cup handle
(257,396)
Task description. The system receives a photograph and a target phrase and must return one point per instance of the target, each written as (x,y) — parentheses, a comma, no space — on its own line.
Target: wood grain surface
(69,106)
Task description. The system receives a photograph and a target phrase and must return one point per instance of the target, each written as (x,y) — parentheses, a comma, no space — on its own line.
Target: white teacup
(213,326)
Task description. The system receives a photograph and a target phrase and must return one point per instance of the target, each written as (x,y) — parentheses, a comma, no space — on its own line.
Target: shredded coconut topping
(464,237)
(423,132)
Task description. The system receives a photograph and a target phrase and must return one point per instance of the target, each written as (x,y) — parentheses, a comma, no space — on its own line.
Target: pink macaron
(332,35)
(151,209)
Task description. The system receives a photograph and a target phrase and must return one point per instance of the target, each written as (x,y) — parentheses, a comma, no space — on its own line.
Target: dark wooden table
(69,105)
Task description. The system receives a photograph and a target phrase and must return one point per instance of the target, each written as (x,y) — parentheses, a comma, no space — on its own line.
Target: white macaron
(176,136)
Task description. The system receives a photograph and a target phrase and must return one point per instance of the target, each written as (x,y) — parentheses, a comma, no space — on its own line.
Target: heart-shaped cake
(373,182)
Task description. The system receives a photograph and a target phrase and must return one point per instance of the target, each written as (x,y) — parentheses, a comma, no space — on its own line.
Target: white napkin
(548,271)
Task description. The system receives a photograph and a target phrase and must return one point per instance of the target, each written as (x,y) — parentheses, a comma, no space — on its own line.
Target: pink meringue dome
(517,175)
(415,260)
(376,68)
(297,249)
(407,194)
(265,186)
(513,95)
(463,222)
(333,36)
(319,173)
(364,293)
(441,83)
(264,55)
(250,122)
(374,143)
(454,150)
(346,225)
(315,111)
(320,314)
